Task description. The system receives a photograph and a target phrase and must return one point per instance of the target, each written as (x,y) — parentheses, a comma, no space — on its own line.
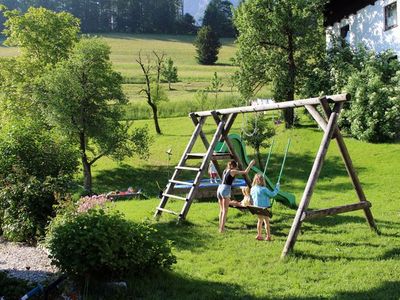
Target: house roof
(336,10)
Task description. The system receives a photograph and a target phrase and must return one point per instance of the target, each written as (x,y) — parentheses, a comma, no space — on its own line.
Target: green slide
(285,198)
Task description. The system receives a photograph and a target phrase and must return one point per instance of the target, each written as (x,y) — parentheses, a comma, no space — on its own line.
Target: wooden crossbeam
(313,214)
(273,106)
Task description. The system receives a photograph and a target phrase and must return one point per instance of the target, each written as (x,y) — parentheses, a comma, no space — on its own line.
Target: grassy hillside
(335,257)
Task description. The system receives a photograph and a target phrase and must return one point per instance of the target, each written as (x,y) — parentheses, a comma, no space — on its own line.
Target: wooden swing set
(224,119)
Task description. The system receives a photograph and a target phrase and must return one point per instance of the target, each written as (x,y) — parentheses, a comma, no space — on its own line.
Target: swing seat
(255,210)
(263,211)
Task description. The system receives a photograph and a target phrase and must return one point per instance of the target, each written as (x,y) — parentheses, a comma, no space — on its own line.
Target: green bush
(370,78)
(102,246)
(35,165)
(374,114)
(26,204)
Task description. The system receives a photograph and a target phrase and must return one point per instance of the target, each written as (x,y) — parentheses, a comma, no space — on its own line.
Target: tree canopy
(218,15)
(277,42)
(134,16)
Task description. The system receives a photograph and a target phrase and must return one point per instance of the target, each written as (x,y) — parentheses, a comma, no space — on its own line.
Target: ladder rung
(167,211)
(195,155)
(188,168)
(182,182)
(174,196)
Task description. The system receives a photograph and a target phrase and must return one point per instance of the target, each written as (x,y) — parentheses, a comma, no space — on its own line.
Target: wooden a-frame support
(225,118)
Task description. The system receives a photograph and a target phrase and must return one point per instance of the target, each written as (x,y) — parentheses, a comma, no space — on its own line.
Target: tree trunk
(169,85)
(289,112)
(87,172)
(87,175)
(155,117)
(259,158)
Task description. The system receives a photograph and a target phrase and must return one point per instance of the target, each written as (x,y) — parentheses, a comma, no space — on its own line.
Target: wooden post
(312,179)
(206,143)
(349,166)
(200,174)
(189,147)
(230,146)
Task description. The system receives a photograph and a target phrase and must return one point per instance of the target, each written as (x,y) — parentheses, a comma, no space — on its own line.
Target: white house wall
(367,26)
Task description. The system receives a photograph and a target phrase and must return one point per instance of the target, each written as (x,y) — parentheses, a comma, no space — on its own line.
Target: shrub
(207,46)
(26,204)
(101,246)
(34,166)
(374,114)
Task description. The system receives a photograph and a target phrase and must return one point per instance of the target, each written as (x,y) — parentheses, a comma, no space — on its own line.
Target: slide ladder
(198,171)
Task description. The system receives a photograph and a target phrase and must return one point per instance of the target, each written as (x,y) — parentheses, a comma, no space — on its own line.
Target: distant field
(126,47)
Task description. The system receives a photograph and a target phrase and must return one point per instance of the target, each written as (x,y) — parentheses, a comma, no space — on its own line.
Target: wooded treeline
(132,16)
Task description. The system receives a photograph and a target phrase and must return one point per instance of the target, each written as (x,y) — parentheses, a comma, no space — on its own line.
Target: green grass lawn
(335,257)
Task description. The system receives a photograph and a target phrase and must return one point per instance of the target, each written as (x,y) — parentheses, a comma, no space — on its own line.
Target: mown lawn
(335,257)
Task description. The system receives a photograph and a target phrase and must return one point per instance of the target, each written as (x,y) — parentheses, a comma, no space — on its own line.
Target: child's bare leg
(267,228)
(259,227)
(225,206)
(221,209)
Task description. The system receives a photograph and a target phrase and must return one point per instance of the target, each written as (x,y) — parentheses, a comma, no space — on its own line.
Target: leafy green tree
(277,40)
(44,38)
(27,31)
(207,46)
(218,15)
(83,97)
(170,72)
(257,133)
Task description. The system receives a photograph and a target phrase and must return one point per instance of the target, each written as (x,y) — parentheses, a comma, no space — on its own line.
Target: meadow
(335,257)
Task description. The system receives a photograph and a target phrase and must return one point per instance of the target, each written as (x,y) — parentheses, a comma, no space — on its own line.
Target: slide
(285,198)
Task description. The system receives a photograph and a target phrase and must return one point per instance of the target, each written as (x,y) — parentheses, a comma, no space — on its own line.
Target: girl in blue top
(261,198)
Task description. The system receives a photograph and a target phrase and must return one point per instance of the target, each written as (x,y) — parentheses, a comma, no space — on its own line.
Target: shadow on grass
(184,235)
(124,176)
(169,285)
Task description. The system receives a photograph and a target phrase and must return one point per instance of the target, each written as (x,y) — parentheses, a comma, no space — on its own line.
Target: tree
(277,41)
(83,97)
(207,46)
(153,89)
(186,24)
(218,15)
(170,72)
(43,36)
(216,86)
(259,131)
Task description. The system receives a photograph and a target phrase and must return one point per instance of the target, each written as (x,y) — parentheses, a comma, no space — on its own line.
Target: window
(391,16)
(344,31)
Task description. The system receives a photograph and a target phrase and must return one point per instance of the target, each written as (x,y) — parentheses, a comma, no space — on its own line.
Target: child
(212,171)
(224,189)
(246,197)
(261,198)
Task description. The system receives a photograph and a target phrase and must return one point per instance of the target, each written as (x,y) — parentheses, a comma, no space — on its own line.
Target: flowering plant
(91,202)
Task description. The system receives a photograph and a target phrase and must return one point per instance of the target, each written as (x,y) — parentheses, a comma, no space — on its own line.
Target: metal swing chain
(244,123)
